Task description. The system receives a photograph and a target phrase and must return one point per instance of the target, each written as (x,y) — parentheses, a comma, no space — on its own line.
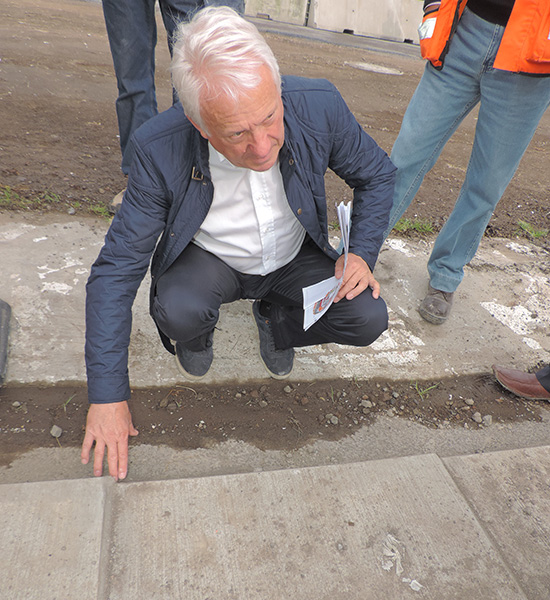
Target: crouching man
(232,181)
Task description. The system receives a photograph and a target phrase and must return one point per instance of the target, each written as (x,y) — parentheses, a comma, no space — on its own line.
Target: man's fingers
(99,452)
(113,460)
(86,447)
(122,459)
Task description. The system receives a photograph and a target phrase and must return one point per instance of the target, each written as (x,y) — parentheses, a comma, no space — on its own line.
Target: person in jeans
(132,32)
(533,386)
(495,53)
(226,201)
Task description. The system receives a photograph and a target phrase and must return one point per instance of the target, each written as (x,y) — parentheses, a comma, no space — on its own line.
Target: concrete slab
(50,540)
(510,494)
(502,314)
(384,529)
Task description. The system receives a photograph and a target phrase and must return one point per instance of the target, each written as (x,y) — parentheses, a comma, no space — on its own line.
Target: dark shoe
(436,306)
(278,363)
(521,384)
(193,365)
(116,202)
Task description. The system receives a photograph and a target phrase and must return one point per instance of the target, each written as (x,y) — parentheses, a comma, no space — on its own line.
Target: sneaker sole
(187,375)
(431,318)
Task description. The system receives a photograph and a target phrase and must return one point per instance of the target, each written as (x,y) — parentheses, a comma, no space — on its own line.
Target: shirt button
(291,161)
(299,211)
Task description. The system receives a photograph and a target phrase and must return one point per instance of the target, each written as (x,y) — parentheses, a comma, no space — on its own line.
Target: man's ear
(201,131)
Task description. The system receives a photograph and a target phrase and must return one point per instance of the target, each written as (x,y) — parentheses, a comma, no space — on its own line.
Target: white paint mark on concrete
(55,286)
(516,318)
(40,239)
(398,358)
(520,249)
(14,232)
(399,246)
(532,343)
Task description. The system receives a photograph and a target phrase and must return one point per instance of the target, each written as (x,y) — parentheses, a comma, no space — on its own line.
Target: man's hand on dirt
(357,278)
(108,425)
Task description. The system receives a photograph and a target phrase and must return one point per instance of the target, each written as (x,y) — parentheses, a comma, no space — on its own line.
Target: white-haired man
(234,187)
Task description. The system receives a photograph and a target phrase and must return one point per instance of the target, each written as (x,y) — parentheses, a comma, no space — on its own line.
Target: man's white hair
(218,53)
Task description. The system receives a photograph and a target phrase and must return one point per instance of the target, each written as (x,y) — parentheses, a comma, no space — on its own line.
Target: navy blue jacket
(170,192)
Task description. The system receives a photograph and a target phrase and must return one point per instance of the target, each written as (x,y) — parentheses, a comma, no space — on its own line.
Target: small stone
(71,211)
(334,420)
(263,389)
(395,394)
(16,404)
(254,394)
(365,397)
(287,389)
(262,403)
(172,406)
(366,403)
(469,402)
(477,417)
(238,395)
(101,191)
(304,401)
(487,420)
(56,431)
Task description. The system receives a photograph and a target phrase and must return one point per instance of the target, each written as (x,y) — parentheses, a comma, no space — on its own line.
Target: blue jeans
(132,32)
(511,106)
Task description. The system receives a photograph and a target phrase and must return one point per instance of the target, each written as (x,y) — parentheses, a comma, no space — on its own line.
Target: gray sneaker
(193,365)
(278,363)
(436,306)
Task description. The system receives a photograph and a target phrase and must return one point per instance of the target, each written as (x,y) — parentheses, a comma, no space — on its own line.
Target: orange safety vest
(525,45)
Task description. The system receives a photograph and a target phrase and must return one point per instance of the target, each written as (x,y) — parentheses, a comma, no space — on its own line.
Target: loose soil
(271,415)
(59,152)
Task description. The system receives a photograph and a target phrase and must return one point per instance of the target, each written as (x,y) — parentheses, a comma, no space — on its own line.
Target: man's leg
(357,322)
(438,106)
(132,35)
(187,303)
(544,377)
(511,108)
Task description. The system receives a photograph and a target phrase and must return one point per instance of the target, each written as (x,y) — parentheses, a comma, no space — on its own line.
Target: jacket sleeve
(367,169)
(115,278)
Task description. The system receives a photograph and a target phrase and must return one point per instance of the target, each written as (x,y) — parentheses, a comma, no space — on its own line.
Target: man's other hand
(358,277)
(108,425)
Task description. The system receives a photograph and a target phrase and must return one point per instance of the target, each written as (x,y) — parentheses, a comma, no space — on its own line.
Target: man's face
(249,132)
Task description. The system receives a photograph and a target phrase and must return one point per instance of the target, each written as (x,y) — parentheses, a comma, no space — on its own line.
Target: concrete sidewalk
(421,524)
(501,314)
(416,527)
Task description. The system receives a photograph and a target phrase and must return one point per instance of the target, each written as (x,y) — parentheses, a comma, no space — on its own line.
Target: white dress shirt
(250,225)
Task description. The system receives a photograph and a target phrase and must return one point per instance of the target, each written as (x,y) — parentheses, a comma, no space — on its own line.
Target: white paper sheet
(319,296)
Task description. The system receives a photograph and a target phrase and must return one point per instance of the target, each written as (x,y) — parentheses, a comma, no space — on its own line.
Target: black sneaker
(193,365)
(278,363)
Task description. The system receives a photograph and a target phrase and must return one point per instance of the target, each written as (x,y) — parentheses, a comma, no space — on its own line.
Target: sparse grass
(532,232)
(101,211)
(66,403)
(334,226)
(417,225)
(423,392)
(11,199)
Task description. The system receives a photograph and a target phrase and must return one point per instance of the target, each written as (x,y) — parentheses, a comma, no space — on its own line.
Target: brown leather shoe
(436,306)
(521,384)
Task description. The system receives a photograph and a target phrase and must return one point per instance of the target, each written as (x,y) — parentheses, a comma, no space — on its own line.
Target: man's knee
(367,321)
(183,319)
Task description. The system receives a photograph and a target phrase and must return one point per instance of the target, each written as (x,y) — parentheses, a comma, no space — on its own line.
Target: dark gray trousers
(189,296)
